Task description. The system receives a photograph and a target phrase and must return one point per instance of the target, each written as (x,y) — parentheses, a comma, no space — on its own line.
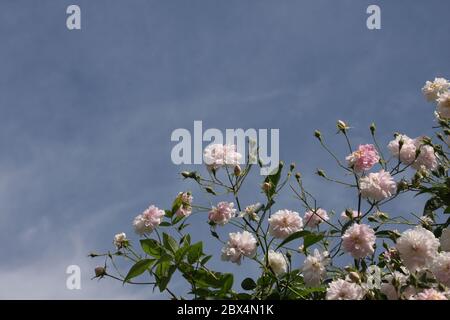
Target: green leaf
(165,224)
(227,280)
(195,252)
(205,260)
(170,243)
(163,274)
(273,179)
(177,219)
(177,203)
(138,268)
(169,213)
(295,235)
(181,253)
(248,284)
(186,239)
(182,226)
(152,247)
(311,239)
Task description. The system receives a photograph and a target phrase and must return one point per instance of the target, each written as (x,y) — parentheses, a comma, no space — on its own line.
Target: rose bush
(377,261)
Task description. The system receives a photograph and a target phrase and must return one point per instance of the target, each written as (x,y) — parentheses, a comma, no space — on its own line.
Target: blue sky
(86,116)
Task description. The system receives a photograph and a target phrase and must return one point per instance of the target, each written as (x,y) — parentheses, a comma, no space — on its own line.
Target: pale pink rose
(148,220)
(277,262)
(358,240)
(429,294)
(432,89)
(314,268)
(222,213)
(407,152)
(186,204)
(441,268)
(354,214)
(284,223)
(218,155)
(120,240)
(417,248)
(443,106)
(313,219)
(344,290)
(377,186)
(427,158)
(364,158)
(240,244)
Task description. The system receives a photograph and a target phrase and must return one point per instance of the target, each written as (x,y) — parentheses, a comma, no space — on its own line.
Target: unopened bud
(292,166)
(188,174)
(402,185)
(321,173)
(354,276)
(382,215)
(210,190)
(237,171)
(318,135)
(100,271)
(298,176)
(342,126)
(266,186)
(373,128)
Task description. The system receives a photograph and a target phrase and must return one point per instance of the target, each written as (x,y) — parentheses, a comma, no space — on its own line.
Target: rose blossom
(417,248)
(407,153)
(431,90)
(358,240)
(445,239)
(429,294)
(284,223)
(120,240)
(377,186)
(222,213)
(427,158)
(344,290)
(364,158)
(148,220)
(277,262)
(218,155)
(239,244)
(314,268)
(441,268)
(185,208)
(314,218)
(443,106)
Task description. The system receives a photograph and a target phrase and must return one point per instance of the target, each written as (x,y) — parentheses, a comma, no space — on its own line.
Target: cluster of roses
(418,250)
